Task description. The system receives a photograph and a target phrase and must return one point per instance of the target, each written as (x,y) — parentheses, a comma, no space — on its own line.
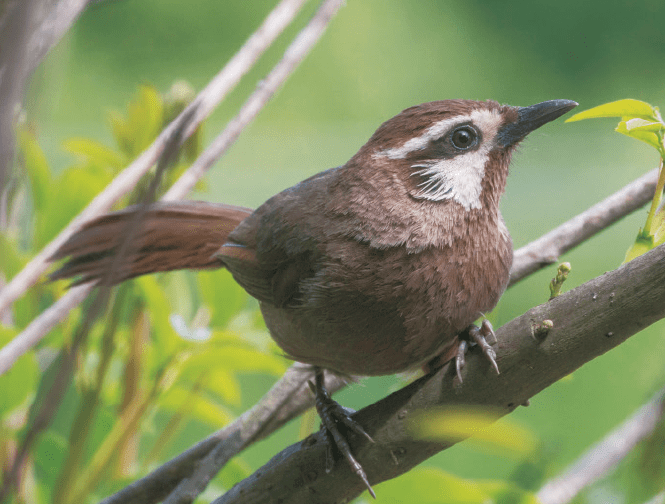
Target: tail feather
(169,236)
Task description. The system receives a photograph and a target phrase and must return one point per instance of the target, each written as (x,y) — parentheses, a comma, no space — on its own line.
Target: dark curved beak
(531,118)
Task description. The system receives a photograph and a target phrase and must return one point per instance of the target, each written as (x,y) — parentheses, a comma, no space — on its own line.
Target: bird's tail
(161,237)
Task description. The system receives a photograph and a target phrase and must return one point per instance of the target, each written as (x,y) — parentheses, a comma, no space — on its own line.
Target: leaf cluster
(167,352)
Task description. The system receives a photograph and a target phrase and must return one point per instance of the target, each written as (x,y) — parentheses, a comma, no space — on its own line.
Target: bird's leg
(333,415)
(474,335)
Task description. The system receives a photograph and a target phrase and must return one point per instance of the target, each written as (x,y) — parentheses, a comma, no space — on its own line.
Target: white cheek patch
(458,178)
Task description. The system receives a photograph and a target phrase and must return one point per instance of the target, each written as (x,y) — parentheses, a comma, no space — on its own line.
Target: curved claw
(331,413)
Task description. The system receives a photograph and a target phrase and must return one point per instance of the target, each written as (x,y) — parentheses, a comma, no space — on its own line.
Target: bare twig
(626,301)
(294,54)
(209,97)
(276,408)
(16,20)
(604,457)
(544,251)
(55,18)
(125,181)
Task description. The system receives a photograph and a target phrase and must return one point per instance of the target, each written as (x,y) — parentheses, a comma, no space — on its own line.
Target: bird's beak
(531,118)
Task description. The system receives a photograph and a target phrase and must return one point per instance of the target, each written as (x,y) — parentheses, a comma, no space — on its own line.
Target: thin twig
(294,54)
(546,250)
(604,457)
(207,99)
(55,18)
(276,408)
(125,181)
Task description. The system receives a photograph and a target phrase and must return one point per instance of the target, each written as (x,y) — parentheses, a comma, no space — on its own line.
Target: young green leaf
(621,108)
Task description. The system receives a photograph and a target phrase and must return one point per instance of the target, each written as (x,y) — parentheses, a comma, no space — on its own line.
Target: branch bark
(587,322)
(290,396)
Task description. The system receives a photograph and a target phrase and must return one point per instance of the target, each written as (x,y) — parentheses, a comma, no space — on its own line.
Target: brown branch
(194,113)
(187,122)
(275,409)
(290,396)
(544,251)
(605,456)
(587,322)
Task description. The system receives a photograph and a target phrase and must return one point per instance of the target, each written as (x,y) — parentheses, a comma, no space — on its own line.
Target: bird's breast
(373,312)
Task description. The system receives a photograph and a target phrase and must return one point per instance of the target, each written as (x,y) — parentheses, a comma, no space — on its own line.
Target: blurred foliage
(376,58)
(643,122)
(140,361)
(457,423)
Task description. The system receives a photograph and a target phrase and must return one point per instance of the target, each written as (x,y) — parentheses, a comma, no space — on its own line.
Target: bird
(376,267)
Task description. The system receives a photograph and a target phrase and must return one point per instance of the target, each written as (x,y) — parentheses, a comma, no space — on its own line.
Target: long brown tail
(168,236)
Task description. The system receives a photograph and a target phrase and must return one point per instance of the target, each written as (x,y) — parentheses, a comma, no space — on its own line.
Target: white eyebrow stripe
(481,117)
(421,142)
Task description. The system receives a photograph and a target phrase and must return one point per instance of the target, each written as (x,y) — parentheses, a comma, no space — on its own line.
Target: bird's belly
(388,312)
(356,338)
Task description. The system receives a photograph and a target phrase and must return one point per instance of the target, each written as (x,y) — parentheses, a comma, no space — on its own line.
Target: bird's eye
(463,138)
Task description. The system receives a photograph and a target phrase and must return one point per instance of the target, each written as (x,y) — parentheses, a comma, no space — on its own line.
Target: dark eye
(464,138)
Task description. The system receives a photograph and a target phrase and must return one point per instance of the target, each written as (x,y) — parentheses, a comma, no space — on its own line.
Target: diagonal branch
(290,396)
(40,326)
(587,322)
(191,117)
(545,250)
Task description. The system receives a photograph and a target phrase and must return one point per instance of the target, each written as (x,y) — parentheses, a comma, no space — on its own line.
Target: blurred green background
(377,58)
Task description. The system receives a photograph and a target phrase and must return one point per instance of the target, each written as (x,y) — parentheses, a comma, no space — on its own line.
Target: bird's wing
(278,247)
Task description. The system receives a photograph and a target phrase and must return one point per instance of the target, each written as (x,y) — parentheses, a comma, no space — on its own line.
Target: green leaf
(196,405)
(166,340)
(143,122)
(643,131)
(67,196)
(94,152)
(642,245)
(222,294)
(233,358)
(225,385)
(456,424)
(621,108)
(429,485)
(12,260)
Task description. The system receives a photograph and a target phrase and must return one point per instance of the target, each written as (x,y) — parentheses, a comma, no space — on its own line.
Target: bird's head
(455,150)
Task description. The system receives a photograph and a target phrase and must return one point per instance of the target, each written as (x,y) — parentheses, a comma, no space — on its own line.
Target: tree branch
(190,117)
(604,457)
(588,321)
(40,326)
(290,396)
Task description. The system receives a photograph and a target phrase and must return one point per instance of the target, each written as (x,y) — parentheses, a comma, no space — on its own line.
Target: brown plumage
(370,268)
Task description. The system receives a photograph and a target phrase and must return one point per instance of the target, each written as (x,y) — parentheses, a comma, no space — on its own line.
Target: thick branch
(276,411)
(588,321)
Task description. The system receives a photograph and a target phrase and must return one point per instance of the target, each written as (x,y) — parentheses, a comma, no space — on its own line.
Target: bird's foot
(472,336)
(333,415)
